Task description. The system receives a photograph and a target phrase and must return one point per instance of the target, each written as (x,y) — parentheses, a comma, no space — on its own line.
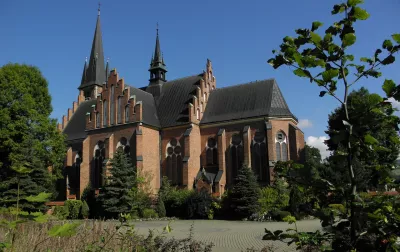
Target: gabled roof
(172,104)
(149,106)
(75,128)
(254,99)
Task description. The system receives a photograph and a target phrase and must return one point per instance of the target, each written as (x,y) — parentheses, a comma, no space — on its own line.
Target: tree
(116,196)
(245,193)
(369,118)
(161,208)
(29,140)
(326,61)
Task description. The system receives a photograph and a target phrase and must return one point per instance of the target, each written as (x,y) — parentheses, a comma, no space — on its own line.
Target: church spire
(95,74)
(157,50)
(84,72)
(157,68)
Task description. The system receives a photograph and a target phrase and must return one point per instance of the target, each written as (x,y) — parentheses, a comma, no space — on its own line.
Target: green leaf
(41,197)
(388,60)
(365,59)
(338,8)
(368,139)
(387,44)
(65,230)
(389,87)
(316,25)
(289,219)
(330,74)
(302,73)
(328,37)
(315,38)
(353,3)
(360,14)
(396,37)
(297,57)
(348,39)
(349,57)
(322,93)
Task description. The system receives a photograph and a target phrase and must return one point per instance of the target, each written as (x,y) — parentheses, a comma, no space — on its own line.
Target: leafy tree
(116,196)
(243,198)
(29,140)
(325,60)
(369,118)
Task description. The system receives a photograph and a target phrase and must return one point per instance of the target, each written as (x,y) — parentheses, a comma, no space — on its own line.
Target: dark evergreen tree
(117,196)
(161,208)
(29,140)
(243,198)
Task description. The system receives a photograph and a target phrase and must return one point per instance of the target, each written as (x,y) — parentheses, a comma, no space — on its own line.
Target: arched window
(97,120)
(281,147)
(174,162)
(127,113)
(198,114)
(105,110)
(236,156)
(123,145)
(119,114)
(112,117)
(211,152)
(99,170)
(259,157)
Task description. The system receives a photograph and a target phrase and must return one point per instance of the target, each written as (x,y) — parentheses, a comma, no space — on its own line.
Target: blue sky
(238,36)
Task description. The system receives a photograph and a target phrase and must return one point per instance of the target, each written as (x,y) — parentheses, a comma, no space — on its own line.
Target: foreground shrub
(61,212)
(161,208)
(199,205)
(279,215)
(274,197)
(74,208)
(149,213)
(174,199)
(85,210)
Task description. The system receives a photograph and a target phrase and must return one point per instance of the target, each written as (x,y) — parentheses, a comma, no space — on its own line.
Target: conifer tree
(245,193)
(116,196)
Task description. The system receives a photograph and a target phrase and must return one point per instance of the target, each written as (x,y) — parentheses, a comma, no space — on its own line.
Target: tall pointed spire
(95,74)
(157,70)
(84,72)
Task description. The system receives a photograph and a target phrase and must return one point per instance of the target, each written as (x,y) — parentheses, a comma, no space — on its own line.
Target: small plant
(149,213)
(61,212)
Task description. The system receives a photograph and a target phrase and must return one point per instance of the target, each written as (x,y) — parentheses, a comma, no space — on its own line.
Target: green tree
(116,196)
(243,198)
(325,60)
(161,208)
(29,140)
(369,116)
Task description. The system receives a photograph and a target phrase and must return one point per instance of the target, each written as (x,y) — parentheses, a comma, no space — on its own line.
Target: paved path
(228,235)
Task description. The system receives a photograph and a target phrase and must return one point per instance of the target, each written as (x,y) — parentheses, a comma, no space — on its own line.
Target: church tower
(94,74)
(157,70)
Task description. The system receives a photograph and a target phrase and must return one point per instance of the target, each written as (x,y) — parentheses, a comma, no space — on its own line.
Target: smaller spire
(108,60)
(98,10)
(151,61)
(84,72)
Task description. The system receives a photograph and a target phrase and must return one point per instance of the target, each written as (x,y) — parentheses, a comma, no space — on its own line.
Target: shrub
(175,202)
(61,212)
(279,215)
(198,205)
(149,213)
(161,208)
(271,199)
(74,208)
(338,208)
(85,210)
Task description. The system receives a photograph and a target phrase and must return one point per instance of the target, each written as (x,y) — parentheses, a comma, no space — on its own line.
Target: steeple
(107,69)
(157,70)
(84,72)
(95,73)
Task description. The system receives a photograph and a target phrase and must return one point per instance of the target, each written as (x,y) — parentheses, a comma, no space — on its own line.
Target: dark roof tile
(75,128)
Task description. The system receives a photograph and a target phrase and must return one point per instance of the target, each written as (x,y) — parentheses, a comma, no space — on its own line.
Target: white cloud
(304,123)
(395,103)
(318,142)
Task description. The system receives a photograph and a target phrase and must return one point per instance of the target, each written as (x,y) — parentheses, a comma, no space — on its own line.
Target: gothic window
(127,113)
(211,152)
(119,114)
(123,145)
(174,162)
(105,110)
(98,173)
(259,157)
(112,117)
(97,120)
(198,114)
(281,147)
(236,157)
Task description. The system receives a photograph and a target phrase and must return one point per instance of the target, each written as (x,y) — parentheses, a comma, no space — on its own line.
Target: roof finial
(86,59)
(157,28)
(98,13)
(108,59)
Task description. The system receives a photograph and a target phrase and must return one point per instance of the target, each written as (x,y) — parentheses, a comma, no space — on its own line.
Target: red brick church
(187,129)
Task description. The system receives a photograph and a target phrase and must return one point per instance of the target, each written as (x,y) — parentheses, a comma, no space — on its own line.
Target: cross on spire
(157,28)
(98,9)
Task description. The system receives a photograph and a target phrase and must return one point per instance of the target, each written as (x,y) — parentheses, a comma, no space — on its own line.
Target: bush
(74,208)
(85,210)
(270,199)
(175,203)
(338,209)
(149,213)
(279,215)
(161,208)
(61,212)
(199,205)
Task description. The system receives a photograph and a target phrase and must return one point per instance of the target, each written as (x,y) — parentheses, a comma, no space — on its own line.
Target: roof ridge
(247,83)
(195,75)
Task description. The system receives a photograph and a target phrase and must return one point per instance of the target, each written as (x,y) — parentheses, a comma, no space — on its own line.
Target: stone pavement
(229,236)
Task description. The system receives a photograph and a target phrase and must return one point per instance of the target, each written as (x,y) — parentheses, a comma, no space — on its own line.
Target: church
(188,129)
